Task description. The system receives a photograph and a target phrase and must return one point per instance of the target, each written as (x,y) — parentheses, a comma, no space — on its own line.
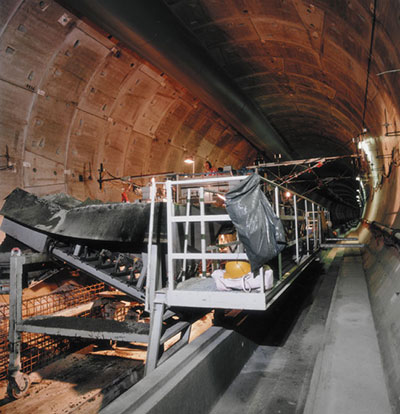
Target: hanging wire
(369,64)
(388,71)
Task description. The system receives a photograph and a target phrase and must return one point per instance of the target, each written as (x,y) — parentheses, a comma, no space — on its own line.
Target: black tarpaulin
(259,229)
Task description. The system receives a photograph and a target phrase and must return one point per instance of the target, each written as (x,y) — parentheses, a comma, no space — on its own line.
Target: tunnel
(307,92)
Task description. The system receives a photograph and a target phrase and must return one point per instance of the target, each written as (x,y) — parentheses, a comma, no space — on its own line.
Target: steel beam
(98,274)
(342,245)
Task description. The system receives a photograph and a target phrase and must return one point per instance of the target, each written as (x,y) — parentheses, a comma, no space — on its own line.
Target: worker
(124,194)
(208,168)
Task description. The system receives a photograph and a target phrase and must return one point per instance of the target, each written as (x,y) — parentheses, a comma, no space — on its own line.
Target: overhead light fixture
(190,160)
(288,194)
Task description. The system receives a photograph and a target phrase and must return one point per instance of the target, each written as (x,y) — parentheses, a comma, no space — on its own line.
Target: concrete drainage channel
(194,379)
(200,372)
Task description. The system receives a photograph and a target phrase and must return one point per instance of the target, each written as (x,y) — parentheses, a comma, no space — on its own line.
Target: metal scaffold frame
(19,381)
(182,295)
(159,298)
(176,295)
(39,348)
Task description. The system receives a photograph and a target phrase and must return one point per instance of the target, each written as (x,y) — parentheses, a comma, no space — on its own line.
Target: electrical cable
(369,64)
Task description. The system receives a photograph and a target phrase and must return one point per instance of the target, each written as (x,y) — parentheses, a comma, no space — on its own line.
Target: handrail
(316,211)
(215,177)
(236,177)
(293,192)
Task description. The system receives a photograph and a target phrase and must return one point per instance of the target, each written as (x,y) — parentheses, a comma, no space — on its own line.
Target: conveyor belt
(38,241)
(103,275)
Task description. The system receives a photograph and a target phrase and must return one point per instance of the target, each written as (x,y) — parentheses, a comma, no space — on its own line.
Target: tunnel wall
(382,266)
(382,269)
(72,97)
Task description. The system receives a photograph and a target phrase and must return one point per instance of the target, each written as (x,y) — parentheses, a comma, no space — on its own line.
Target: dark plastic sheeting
(259,229)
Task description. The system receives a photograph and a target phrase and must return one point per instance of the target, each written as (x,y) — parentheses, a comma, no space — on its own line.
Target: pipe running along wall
(149,28)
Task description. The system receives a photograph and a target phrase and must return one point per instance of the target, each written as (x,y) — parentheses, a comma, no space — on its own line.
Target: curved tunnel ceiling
(84,98)
(312,69)
(153,31)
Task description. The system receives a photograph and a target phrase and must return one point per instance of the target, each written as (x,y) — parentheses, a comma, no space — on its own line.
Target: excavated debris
(73,385)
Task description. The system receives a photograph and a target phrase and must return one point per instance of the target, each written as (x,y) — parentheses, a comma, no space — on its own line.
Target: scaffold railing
(303,225)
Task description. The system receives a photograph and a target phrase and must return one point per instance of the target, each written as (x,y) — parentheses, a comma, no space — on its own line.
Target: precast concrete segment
(154,32)
(348,376)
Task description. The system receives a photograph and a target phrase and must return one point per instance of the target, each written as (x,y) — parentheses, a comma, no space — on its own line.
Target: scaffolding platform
(201,291)
(89,328)
(99,329)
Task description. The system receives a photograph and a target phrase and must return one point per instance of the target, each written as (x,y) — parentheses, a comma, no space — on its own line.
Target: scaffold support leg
(153,349)
(18,382)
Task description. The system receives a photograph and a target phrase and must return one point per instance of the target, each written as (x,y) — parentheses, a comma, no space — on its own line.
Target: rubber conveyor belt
(38,241)
(99,274)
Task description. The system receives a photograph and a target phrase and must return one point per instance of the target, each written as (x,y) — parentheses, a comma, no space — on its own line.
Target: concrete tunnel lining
(69,103)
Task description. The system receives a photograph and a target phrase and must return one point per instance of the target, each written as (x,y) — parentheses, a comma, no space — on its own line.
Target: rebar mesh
(37,349)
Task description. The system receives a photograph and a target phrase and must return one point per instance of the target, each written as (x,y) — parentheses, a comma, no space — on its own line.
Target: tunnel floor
(317,353)
(330,360)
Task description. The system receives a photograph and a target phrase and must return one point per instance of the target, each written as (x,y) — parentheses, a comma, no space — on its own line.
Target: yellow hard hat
(236,269)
